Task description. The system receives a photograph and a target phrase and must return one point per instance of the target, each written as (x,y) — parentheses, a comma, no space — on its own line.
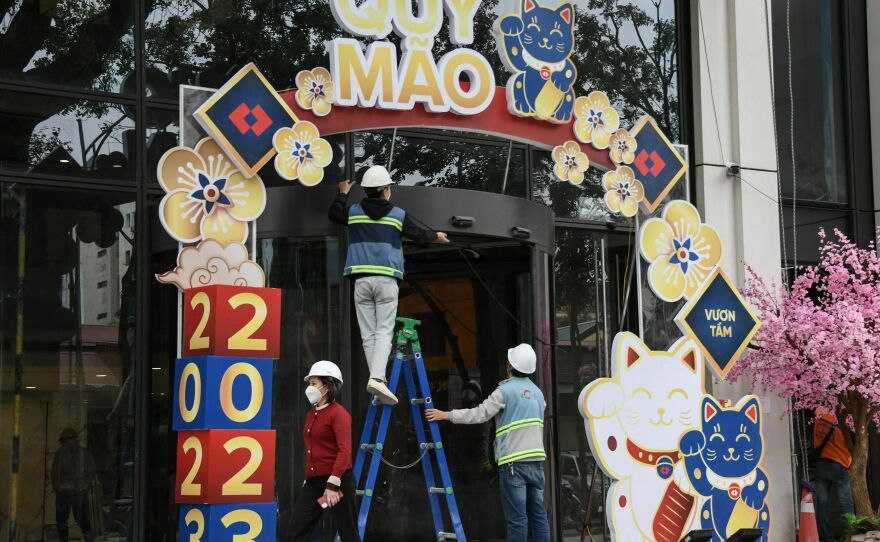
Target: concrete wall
(730,48)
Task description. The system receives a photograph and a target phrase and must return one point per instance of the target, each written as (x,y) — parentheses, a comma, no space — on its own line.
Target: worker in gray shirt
(518,407)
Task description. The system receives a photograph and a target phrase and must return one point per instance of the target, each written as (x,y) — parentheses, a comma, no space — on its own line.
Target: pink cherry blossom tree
(819,344)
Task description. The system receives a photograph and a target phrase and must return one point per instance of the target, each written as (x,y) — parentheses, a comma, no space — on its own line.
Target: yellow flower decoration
(595,119)
(570,162)
(623,191)
(302,154)
(623,147)
(315,90)
(682,251)
(207,197)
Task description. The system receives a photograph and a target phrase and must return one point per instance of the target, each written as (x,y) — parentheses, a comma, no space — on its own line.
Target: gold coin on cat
(698,474)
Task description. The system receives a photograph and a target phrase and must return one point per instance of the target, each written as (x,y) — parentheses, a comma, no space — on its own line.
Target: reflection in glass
(204,43)
(437,160)
(584,201)
(61,136)
(70,388)
(595,298)
(66,42)
(580,359)
(629,49)
(817,79)
(308,273)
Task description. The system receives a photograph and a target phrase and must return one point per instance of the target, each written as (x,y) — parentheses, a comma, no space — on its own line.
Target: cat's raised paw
(605,399)
(692,442)
(511,25)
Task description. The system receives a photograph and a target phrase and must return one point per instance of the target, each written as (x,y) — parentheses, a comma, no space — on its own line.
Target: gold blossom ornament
(595,119)
(623,192)
(302,154)
(207,197)
(570,162)
(315,90)
(623,147)
(682,251)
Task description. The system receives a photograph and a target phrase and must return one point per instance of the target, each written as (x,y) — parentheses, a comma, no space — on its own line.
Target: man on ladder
(375,262)
(518,406)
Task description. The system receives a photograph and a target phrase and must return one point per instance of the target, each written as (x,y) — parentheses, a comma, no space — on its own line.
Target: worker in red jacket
(327,439)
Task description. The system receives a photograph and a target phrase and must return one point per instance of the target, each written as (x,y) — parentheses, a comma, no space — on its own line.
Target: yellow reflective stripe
(517,424)
(385,221)
(375,269)
(520,426)
(525,454)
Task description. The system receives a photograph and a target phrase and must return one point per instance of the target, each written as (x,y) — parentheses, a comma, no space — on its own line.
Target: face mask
(314,395)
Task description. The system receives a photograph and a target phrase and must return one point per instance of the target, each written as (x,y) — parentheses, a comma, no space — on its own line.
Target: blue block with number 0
(253,522)
(220,392)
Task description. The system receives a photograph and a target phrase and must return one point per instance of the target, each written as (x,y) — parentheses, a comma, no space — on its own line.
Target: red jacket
(327,438)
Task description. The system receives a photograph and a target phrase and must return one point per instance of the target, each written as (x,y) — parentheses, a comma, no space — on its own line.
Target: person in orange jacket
(832,476)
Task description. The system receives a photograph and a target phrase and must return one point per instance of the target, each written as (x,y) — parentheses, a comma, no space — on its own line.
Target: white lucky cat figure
(634,421)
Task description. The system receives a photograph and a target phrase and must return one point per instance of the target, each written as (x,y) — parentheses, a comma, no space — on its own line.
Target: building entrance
(474,302)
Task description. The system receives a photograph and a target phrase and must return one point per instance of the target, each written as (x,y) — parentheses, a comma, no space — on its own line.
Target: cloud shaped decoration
(211,262)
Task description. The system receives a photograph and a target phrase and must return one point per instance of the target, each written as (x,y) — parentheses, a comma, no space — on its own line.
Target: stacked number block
(225,477)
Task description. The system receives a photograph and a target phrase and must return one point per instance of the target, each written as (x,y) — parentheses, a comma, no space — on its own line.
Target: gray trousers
(375,301)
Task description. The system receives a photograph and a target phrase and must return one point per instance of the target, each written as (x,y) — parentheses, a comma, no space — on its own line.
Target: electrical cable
(502,305)
(709,74)
(791,135)
(461,250)
(401,467)
(771,64)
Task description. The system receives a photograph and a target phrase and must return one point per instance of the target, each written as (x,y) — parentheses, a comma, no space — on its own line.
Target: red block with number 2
(225,466)
(232,321)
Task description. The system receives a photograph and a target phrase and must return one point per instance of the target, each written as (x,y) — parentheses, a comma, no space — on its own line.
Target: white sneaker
(381,391)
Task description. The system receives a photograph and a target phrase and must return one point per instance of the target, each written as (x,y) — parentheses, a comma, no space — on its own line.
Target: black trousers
(67,500)
(307,511)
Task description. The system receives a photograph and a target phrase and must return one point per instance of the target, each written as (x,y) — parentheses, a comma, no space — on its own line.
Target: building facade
(89,101)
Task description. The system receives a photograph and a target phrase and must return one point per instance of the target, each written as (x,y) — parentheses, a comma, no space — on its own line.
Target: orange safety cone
(809,532)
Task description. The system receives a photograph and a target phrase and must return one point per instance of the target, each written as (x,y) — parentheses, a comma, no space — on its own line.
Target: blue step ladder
(418,402)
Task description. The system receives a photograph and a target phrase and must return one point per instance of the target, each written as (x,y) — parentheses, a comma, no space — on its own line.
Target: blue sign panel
(243,115)
(219,392)
(720,321)
(657,164)
(228,522)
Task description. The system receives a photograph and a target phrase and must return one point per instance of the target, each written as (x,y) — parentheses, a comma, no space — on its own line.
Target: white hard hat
(376,177)
(325,368)
(523,358)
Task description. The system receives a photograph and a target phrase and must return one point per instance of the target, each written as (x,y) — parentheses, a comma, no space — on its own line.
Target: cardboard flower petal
(623,147)
(569,162)
(207,197)
(682,251)
(595,119)
(302,154)
(315,90)
(623,191)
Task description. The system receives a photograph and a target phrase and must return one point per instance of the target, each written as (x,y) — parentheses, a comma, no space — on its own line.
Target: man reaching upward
(375,262)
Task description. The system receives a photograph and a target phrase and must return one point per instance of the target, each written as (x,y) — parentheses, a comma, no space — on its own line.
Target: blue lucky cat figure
(535,45)
(722,463)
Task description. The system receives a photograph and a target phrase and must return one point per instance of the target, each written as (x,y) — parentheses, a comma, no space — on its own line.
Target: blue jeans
(831,478)
(522,497)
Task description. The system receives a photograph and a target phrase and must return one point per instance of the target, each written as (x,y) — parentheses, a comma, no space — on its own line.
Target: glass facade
(67,361)
(87,336)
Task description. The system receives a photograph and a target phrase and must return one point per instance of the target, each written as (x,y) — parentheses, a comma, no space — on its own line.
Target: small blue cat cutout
(722,462)
(535,45)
